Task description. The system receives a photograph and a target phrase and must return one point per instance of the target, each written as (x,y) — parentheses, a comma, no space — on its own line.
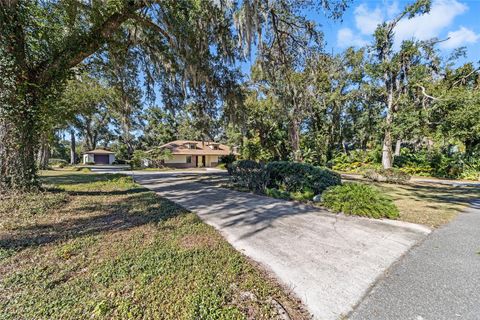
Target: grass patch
(101,246)
(429,204)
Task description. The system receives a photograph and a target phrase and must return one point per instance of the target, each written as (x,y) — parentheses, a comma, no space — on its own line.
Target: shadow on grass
(137,207)
(435,193)
(78,178)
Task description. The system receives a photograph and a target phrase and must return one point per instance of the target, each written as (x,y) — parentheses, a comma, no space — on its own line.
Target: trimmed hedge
(359,199)
(248,174)
(300,177)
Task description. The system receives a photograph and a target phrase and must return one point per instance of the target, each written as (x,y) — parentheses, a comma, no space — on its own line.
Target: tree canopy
(134,74)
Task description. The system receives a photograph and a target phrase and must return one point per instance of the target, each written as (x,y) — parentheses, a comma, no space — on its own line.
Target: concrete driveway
(329,261)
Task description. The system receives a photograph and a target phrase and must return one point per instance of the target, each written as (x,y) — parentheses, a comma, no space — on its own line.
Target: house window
(189,159)
(214,146)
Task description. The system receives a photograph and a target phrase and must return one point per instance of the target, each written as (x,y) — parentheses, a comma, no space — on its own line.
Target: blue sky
(457,20)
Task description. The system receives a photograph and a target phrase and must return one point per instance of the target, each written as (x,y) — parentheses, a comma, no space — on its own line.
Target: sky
(457,20)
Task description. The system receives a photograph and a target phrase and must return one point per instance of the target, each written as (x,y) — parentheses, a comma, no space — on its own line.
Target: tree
(119,67)
(393,69)
(456,108)
(41,42)
(342,112)
(259,126)
(90,104)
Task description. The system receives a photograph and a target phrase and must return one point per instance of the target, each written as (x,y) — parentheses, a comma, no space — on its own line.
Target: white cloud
(393,9)
(460,38)
(434,24)
(367,21)
(430,25)
(346,38)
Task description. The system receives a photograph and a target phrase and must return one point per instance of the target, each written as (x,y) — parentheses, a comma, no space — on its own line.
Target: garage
(99,156)
(101,159)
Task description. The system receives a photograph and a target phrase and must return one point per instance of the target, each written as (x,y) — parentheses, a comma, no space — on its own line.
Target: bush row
(437,163)
(299,181)
(291,177)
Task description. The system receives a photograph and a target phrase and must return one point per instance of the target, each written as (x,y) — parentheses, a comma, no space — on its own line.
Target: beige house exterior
(194,154)
(98,156)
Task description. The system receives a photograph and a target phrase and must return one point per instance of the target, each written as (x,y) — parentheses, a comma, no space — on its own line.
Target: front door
(204,163)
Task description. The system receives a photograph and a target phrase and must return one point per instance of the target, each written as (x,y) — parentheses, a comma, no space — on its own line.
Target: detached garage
(99,156)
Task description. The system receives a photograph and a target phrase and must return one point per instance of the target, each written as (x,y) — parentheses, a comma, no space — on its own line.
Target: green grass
(101,246)
(429,204)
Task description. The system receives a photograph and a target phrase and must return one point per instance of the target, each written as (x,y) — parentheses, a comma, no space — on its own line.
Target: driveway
(329,261)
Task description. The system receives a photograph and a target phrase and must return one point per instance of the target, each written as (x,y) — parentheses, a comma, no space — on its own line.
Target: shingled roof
(200,148)
(99,151)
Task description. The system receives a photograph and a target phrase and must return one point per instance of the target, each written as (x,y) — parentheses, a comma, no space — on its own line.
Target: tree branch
(150,24)
(424,93)
(77,48)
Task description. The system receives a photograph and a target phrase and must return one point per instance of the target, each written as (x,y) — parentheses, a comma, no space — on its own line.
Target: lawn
(101,246)
(429,204)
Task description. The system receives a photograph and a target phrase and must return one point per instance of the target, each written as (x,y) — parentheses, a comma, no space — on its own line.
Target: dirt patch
(197,241)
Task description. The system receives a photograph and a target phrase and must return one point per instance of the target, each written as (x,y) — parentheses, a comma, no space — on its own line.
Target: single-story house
(99,156)
(194,154)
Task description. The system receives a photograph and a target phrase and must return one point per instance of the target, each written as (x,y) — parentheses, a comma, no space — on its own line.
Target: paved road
(329,261)
(440,279)
(454,183)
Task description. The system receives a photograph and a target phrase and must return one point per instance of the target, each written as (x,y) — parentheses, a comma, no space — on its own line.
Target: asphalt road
(439,279)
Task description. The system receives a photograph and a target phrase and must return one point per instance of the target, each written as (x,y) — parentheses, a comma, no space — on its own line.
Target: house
(98,156)
(192,154)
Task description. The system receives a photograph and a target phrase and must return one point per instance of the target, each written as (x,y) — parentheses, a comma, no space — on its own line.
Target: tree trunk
(72,147)
(398,147)
(126,123)
(43,153)
(387,158)
(18,142)
(295,140)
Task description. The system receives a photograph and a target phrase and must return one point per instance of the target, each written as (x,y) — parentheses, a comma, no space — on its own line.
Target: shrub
(57,162)
(248,174)
(302,195)
(119,161)
(470,174)
(294,177)
(424,171)
(391,175)
(359,199)
(228,159)
(355,160)
(279,194)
